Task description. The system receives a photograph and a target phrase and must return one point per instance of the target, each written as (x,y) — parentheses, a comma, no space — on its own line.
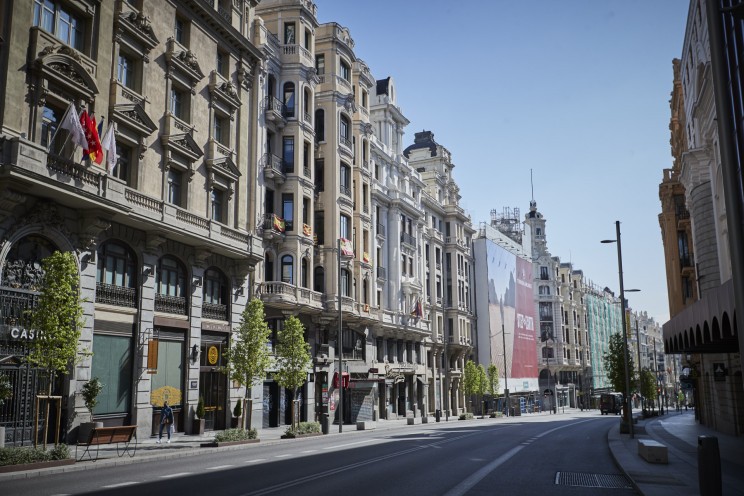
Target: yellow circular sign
(212,355)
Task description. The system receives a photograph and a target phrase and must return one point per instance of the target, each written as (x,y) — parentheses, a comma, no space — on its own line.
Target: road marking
(256,460)
(309,451)
(281,456)
(121,484)
(219,467)
(174,475)
(348,444)
(467,484)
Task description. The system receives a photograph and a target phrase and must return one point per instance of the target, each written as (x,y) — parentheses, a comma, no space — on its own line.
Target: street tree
(493,380)
(615,364)
(248,358)
(648,387)
(481,386)
(470,379)
(58,320)
(292,358)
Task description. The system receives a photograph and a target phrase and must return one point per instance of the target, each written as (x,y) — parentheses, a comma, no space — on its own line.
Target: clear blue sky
(577,91)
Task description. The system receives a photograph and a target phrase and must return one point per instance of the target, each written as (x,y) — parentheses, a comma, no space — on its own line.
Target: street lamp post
(628,414)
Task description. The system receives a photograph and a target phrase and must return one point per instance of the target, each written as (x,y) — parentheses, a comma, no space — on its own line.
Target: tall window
(288,154)
(308,38)
(289,99)
(345,282)
(174,187)
(287,265)
(124,165)
(345,179)
(319,125)
(221,130)
(215,289)
(320,64)
(218,206)
(171,278)
(49,121)
(305,273)
(223,67)
(125,72)
(178,104)
(50,16)
(306,158)
(544,273)
(289,33)
(116,265)
(180,31)
(269,266)
(345,227)
(344,127)
(288,211)
(345,71)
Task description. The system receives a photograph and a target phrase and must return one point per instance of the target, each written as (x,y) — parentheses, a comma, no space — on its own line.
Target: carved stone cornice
(153,241)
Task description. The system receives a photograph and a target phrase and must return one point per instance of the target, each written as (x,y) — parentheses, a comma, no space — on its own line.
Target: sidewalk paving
(679,432)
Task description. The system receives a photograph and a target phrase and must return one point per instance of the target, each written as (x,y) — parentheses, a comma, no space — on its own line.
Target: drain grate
(580,479)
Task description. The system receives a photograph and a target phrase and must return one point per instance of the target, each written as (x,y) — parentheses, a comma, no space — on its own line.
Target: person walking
(166,420)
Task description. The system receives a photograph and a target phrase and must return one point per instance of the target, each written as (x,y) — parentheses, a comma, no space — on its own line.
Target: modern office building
(603,318)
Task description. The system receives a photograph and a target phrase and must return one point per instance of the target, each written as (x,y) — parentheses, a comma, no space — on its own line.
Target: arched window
(319,280)
(345,282)
(319,125)
(289,99)
(269,267)
(287,269)
(304,275)
(171,277)
(306,105)
(116,265)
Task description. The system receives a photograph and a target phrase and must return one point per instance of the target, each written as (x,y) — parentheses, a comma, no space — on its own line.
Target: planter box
(298,436)
(221,444)
(197,427)
(35,466)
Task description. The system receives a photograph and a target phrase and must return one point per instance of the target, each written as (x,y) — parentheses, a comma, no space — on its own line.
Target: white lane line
(121,484)
(220,467)
(282,456)
(467,484)
(256,460)
(309,451)
(348,444)
(175,475)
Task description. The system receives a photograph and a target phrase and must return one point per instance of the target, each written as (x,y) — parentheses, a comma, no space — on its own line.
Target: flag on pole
(100,126)
(71,122)
(93,146)
(108,143)
(347,249)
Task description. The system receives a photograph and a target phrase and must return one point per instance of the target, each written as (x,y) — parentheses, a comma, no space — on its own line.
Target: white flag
(71,122)
(108,143)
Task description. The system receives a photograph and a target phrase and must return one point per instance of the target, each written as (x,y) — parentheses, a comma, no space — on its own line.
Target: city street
(528,455)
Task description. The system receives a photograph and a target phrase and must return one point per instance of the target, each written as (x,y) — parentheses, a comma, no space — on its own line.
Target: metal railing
(170,304)
(120,296)
(214,311)
(408,239)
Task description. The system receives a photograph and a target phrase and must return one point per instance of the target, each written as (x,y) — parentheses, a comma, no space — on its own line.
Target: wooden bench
(121,436)
(653,451)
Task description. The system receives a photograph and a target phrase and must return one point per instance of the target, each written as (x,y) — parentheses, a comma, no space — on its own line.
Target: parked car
(611,403)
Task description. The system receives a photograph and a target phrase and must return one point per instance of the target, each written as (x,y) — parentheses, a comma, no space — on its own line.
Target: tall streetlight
(627,413)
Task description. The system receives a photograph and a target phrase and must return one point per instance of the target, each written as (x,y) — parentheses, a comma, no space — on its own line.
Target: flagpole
(58,126)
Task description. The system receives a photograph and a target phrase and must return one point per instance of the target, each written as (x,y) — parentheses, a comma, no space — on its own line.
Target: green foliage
(492,387)
(58,317)
(482,381)
(648,386)
(615,364)
(19,455)
(466,416)
(6,389)
(469,381)
(303,428)
(292,355)
(90,392)
(235,435)
(248,357)
(200,412)
(238,410)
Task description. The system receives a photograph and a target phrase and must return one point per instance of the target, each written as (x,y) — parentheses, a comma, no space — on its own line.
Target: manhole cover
(580,479)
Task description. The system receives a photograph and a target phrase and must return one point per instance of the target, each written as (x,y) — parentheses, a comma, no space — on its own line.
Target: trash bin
(709,466)
(324,427)
(438,414)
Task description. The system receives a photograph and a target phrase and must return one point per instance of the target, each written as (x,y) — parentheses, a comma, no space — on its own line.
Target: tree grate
(579,479)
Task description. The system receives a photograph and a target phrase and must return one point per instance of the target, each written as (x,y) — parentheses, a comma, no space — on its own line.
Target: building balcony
(171,304)
(408,239)
(296,54)
(273,167)
(275,111)
(284,295)
(120,296)
(214,311)
(273,227)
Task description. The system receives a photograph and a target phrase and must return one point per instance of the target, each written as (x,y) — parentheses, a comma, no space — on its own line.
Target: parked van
(611,403)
